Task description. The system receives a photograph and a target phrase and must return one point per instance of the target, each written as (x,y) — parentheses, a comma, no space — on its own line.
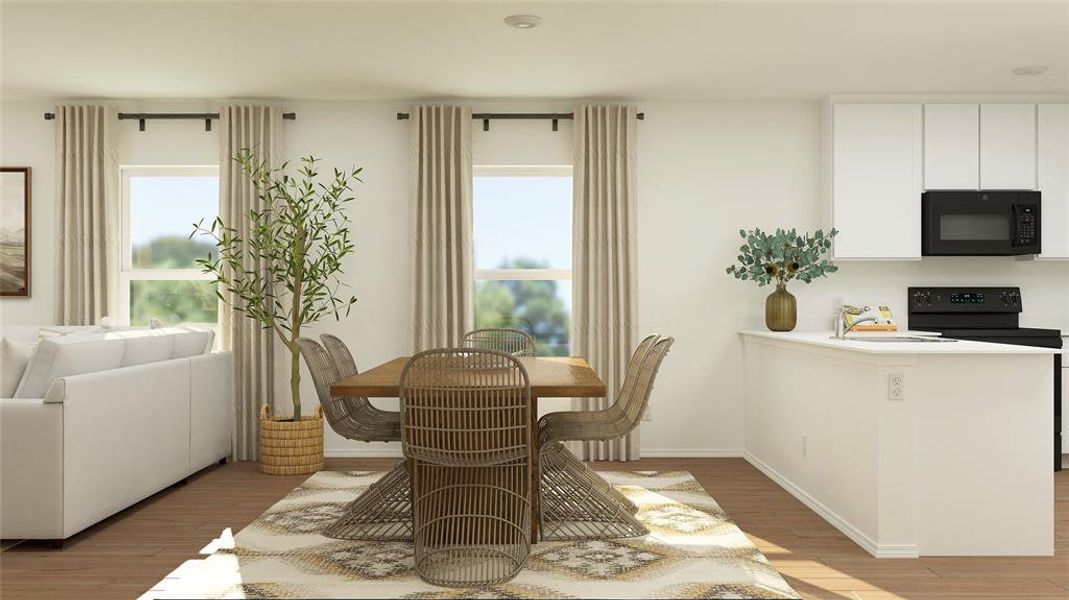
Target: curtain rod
(142,117)
(486,117)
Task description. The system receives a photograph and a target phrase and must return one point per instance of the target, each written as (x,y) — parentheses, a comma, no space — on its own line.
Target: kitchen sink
(900,339)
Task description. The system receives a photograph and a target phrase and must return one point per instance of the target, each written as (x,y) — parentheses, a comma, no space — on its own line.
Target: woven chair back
(351,417)
(635,404)
(510,341)
(340,355)
(631,375)
(321,367)
(465,407)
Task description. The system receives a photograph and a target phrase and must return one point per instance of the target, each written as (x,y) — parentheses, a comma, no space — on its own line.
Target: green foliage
(287,274)
(173,302)
(530,305)
(171,252)
(782,256)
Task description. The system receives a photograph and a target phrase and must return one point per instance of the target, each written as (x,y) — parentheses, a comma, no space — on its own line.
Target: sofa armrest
(125,437)
(210,405)
(31,469)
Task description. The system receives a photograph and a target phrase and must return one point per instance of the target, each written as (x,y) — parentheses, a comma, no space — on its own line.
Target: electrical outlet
(648,415)
(896,386)
(805,445)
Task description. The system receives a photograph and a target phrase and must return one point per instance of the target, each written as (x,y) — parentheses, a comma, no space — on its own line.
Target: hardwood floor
(128,553)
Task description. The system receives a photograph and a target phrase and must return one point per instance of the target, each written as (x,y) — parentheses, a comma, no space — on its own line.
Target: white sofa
(101,421)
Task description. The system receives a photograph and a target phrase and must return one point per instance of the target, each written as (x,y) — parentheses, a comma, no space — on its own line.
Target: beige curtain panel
(87,215)
(257,129)
(604,260)
(441,226)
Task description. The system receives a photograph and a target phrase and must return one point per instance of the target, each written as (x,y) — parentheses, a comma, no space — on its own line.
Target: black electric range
(987,314)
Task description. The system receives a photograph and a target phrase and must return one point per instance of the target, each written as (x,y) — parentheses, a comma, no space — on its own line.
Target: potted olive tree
(780,257)
(285,274)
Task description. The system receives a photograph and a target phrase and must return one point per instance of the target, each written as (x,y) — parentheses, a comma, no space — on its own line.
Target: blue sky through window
(168,206)
(523,217)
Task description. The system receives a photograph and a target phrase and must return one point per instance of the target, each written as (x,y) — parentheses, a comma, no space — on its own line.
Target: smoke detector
(1030,70)
(523,21)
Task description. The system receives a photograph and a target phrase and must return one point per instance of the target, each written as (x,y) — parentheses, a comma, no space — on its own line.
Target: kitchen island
(909,448)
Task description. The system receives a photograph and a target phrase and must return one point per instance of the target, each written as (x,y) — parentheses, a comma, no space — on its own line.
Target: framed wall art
(15,232)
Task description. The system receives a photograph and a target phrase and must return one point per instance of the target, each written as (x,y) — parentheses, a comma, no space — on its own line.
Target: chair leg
(577,466)
(382,513)
(575,507)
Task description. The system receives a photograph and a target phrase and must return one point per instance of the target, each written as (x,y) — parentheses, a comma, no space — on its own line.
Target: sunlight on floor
(216,575)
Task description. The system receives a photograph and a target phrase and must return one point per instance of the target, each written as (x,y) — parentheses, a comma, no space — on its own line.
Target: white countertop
(826,339)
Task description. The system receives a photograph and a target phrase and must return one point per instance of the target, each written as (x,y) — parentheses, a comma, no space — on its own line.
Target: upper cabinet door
(1053,150)
(876,180)
(952,146)
(1008,146)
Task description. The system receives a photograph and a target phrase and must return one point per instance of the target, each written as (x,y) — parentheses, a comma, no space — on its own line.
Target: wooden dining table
(550,377)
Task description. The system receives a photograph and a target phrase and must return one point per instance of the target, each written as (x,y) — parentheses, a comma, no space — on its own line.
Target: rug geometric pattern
(693,550)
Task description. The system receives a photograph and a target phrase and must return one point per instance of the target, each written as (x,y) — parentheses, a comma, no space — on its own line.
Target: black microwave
(980,222)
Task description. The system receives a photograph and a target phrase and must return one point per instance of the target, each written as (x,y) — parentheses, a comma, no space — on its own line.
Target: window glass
(523,253)
(162,213)
(174,302)
(522,222)
(540,307)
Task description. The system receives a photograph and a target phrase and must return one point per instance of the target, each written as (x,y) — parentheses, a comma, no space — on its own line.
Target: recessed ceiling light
(523,21)
(1030,70)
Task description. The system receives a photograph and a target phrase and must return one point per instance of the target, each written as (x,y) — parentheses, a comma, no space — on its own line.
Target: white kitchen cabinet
(876,182)
(952,146)
(1008,146)
(1053,171)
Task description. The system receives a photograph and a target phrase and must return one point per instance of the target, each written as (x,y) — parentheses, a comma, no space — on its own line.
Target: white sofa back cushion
(14,356)
(91,352)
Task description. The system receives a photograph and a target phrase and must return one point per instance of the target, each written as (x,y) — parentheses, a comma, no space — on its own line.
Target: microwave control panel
(1026,226)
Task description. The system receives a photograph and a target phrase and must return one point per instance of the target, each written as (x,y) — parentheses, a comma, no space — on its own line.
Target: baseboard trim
(362,453)
(691,452)
(386,452)
(847,529)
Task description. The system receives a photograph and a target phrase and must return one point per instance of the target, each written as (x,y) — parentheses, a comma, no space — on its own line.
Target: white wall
(705,170)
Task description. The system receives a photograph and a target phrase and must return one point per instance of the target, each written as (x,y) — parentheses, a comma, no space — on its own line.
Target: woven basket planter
(291,447)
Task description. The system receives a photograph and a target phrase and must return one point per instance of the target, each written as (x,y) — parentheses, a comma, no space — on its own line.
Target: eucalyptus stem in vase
(779,258)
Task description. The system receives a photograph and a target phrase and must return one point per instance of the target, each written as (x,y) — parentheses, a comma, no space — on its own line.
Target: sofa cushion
(68,355)
(91,352)
(14,356)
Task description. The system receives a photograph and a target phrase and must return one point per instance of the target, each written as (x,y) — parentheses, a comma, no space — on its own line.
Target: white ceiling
(639,49)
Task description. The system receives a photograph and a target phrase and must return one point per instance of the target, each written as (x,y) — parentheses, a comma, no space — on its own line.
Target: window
(523,252)
(159,277)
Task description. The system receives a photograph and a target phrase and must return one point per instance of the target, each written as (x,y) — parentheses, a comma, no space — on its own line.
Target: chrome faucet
(840,326)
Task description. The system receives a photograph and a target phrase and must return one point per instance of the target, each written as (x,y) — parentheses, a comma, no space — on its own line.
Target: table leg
(536,475)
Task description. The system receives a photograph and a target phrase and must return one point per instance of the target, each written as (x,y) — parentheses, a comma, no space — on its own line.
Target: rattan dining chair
(510,341)
(574,504)
(383,512)
(561,458)
(465,426)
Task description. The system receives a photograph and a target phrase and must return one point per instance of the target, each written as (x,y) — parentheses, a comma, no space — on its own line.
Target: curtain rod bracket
(486,124)
(556,123)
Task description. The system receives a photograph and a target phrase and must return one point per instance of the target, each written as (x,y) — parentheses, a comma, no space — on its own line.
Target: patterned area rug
(693,551)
